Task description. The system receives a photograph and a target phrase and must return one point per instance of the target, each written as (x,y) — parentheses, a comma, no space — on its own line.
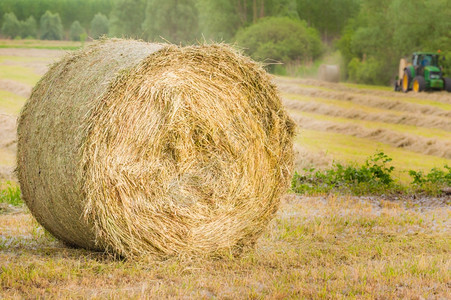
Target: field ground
(348,123)
(39,44)
(316,247)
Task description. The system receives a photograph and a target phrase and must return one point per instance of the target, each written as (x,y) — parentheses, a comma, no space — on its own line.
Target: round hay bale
(402,65)
(154,149)
(330,73)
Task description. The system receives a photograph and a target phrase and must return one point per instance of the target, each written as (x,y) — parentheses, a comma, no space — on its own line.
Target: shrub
(369,71)
(76,31)
(282,39)
(373,177)
(99,26)
(51,26)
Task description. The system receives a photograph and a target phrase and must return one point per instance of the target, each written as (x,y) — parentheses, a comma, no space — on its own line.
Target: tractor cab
(425,59)
(426,64)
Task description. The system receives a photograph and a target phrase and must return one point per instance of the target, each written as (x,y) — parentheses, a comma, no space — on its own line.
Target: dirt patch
(7,173)
(15,87)
(8,127)
(8,144)
(305,158)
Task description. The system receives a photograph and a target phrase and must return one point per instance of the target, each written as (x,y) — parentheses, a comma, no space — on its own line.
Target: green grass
(347,149)
(20,74)
(425,102)
(374,177)
(331,248)
(42,47)
(341,104)
(368,87)
(10,103)
(40,44)
(4,58)
(10,193)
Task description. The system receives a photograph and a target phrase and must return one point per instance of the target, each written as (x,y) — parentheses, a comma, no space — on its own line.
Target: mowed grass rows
(416,128)
(20,70)
(348,123)
(316,247)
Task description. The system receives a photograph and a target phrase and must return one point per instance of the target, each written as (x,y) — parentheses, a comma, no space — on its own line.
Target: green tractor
(424,73)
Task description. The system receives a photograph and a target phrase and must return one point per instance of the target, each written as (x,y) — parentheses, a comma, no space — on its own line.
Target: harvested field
(316,247)
(20,69)
(418,125)
(427,113)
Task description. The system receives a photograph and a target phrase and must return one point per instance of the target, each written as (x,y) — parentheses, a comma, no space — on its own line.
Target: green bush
(76,31)
(373,177)
(51,26)
(99,26)
(370,71)
(280,39)
(434,176)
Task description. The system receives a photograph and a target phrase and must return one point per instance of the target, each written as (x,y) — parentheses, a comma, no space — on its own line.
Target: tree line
(384,31)
(290,31)
(371,35)
(51,27)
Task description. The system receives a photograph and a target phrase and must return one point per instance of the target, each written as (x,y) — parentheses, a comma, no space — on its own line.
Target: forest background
(292,37)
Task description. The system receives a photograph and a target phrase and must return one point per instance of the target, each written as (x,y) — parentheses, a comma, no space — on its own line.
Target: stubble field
(316,247)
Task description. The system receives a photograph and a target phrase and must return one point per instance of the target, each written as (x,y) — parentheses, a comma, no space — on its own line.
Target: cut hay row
(440,135)
(10,103)
(8,130)
(384,92)
(387,116)
(20,89)
(161,150)
(415,143)
(368,100)
(19,74)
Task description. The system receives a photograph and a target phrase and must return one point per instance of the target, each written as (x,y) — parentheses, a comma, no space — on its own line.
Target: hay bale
(153,149)
(402,65)
(330,73)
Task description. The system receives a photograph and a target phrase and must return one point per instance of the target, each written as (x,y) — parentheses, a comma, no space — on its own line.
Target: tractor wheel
(447,84)
(419,84)
(405,81)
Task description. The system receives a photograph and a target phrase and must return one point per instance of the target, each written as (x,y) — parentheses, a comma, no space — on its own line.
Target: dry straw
(154,149)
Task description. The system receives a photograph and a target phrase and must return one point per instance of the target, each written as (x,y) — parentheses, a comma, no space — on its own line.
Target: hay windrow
(147,149)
